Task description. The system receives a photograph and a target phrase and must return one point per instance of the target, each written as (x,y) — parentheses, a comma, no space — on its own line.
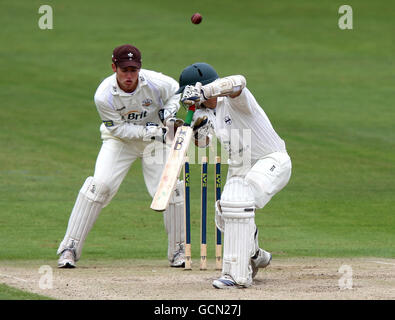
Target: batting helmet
(197,72)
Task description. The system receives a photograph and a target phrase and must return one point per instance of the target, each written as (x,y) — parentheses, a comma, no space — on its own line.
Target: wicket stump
(187,217)
(203,211)
(203,215)
(218,237)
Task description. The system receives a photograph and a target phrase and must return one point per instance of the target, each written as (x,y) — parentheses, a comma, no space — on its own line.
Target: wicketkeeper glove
(152,131)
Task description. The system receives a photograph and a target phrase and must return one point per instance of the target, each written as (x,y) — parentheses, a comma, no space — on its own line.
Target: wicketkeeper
(137,108)
(259,165)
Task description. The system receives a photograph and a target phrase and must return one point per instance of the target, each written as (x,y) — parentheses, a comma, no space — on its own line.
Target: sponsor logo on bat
(179,142)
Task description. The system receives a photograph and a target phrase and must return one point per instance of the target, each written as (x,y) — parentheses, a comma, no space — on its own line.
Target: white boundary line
(381,262)
(7,276)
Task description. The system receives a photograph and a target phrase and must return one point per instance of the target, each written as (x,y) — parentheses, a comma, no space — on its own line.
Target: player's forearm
(126,131)
(151,131)
(228,86)
(115,125)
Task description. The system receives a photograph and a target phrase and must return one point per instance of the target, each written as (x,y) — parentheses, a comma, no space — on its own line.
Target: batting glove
(172,124)
(201,132)
(193,95)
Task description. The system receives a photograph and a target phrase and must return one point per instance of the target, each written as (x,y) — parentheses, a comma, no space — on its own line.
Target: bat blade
(172,168)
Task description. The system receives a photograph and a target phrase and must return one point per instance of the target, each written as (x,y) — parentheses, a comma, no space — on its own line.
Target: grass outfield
(329,93)
(9,293)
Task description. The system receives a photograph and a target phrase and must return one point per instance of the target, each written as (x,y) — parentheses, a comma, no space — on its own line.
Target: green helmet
(197,72)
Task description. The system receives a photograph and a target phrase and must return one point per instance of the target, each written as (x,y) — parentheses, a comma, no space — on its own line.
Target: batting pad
(86,209)
(174,221)
(238,215)
(219,221)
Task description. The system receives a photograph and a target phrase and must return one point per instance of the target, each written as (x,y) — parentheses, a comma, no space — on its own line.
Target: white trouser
(267,176)
(116,157)
(113,163)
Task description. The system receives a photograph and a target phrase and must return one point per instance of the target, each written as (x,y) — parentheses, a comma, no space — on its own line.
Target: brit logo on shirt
(228,120)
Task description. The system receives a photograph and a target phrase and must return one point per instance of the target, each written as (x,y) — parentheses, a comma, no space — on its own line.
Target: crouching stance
(259,165)
(92,198)
(137,108)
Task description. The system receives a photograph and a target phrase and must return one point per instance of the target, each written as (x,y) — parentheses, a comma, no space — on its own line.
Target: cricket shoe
(67,259)
(227,282)
(261,259)
(178,259)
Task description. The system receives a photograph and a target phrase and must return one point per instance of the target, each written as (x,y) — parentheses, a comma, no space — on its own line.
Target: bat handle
(189,117)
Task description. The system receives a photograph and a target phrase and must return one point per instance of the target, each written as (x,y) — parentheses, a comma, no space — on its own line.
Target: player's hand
(201,131)
(172,125)
(200,123)
(152,131)
(193,95)
(174,122)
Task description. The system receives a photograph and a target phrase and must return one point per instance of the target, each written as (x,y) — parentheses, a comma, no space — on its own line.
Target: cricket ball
(196,18)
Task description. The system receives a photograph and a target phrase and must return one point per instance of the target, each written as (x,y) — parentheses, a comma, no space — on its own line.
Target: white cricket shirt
(124,115)
(243,127)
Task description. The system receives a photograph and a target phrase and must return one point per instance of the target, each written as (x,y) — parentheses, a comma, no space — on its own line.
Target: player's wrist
(152,131)
(204,95)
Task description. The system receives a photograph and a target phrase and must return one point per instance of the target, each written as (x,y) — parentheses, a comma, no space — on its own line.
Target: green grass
(329,94)
(9,293)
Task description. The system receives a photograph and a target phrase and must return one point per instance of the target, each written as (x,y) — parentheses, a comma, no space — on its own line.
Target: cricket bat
(174,163)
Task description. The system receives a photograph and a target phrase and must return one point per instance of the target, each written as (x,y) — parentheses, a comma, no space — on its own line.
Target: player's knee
(260,190)
(95,191)
(265,183)
(237,198)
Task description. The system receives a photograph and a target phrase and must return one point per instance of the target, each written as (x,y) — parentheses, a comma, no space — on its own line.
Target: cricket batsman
(137,108)
(259,165)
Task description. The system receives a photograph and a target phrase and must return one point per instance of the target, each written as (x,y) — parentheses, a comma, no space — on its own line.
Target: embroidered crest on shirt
(147,102)
(228,120)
